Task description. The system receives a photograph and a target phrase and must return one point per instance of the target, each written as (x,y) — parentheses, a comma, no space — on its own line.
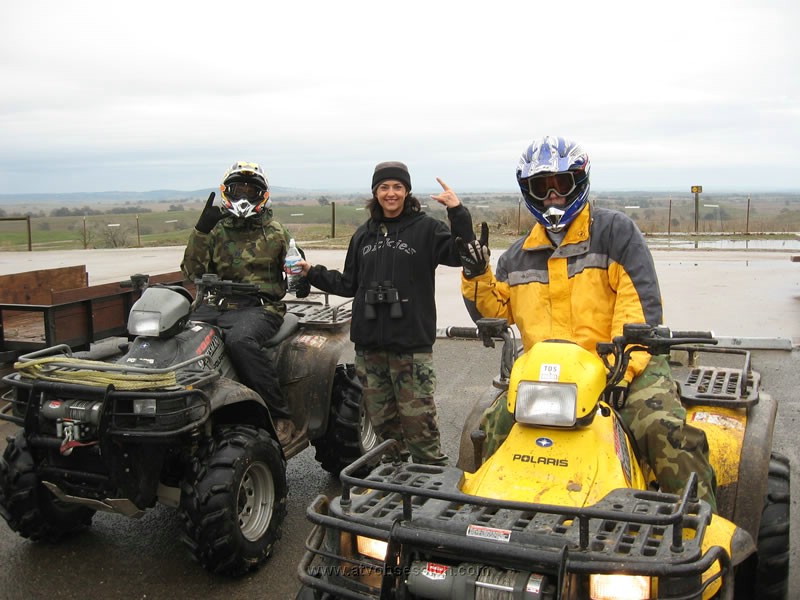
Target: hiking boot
(285,430)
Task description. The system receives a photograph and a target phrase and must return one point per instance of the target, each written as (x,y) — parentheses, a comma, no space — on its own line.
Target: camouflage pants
(398,397)
(656,418)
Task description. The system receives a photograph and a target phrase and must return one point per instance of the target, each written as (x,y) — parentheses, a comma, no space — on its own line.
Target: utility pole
(697,190)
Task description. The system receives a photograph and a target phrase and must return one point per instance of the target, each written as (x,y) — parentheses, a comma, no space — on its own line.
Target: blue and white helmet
(554,164)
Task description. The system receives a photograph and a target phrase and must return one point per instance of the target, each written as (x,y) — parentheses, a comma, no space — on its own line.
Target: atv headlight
(145,323)
(619,587)
(371,547)
(546,403)
(144,406)
(159,312)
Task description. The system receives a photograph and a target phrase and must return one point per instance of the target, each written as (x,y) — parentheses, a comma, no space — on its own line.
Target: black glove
(302,288)
(210,216)
(474,255)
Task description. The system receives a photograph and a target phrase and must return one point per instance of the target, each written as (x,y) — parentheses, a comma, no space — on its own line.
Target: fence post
(669,218)
(333,220)
(747,219)
(30,238)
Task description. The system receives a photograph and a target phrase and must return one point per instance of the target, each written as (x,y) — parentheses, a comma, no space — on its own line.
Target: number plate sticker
(549,372)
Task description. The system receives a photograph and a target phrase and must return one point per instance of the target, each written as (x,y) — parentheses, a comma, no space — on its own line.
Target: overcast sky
(143,95)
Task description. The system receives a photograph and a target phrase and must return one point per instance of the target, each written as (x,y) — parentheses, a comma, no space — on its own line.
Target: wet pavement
(145,559)
(734,294)
(741,293)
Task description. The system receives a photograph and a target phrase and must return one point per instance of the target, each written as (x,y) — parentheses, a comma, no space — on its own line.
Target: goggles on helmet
(244,191)
(562,184)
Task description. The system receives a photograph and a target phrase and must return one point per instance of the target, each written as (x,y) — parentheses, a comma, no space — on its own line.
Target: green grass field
(332,225)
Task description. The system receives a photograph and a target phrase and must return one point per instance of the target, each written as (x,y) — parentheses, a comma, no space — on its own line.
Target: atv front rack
(179,406)
(420,509)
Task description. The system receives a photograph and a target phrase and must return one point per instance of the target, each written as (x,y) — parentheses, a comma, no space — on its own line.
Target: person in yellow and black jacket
(581,274)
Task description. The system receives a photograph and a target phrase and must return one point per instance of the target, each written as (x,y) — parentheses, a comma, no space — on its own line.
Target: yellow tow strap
(75,370)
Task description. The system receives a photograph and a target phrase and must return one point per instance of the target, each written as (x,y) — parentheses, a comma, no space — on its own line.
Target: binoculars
(382,293)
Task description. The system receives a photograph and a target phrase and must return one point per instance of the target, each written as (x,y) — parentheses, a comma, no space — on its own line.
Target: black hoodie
(405,251)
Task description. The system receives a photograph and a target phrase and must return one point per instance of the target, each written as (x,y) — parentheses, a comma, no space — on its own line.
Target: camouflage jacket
(242,250)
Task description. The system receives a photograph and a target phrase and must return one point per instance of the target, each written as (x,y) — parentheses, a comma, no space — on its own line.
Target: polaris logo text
(541,460)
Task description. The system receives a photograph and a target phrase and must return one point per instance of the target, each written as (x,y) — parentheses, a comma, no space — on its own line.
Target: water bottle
(293,256)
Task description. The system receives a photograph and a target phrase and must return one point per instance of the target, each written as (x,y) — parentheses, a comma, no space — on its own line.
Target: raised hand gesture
(447,197)
(474,255)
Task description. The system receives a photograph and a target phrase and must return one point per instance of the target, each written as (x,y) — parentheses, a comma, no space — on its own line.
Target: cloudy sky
(143,95)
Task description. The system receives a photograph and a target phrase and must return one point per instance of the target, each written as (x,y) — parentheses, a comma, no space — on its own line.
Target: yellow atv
(565,509)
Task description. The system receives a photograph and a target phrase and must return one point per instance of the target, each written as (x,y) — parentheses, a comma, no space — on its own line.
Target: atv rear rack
(729,387)
(321,315)
(420,507)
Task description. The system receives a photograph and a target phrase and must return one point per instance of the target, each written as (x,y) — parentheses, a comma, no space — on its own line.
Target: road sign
(697,189)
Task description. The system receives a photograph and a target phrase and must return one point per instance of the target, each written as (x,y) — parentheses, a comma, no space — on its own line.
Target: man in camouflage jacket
(245,244)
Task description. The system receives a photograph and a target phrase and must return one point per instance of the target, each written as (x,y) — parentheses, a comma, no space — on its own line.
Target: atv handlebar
(636,337)
(212,282)
(658,339)
(470,333)
(705,335)
(641,337)
(137,281)
(488,330)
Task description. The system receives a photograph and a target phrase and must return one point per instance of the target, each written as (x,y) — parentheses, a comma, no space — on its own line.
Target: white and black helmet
(244,190)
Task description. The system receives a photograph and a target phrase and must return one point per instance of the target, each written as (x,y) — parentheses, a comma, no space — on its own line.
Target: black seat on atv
(290,324)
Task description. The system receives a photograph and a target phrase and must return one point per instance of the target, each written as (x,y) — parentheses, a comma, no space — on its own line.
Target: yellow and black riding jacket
(600,277)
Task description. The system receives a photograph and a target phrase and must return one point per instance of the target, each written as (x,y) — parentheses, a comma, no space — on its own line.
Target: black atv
(162,417)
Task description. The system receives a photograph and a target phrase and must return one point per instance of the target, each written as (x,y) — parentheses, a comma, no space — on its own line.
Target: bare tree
(111,235)
(86,234)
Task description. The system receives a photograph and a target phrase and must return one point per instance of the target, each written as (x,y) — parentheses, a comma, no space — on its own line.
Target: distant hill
(119,197)
(302,196)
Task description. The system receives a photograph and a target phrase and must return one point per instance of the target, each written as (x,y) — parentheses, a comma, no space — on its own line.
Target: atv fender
(466,451)
(307,366)
(233,402)
(754,466)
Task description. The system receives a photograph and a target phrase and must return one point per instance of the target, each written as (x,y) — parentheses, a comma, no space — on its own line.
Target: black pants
(245,330)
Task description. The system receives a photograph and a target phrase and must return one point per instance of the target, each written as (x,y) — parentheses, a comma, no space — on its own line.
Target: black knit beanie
(391,170)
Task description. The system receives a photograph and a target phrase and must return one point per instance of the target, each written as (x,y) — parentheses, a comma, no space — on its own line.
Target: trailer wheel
(234,501)
(28,507)
(765,575)
(350,431)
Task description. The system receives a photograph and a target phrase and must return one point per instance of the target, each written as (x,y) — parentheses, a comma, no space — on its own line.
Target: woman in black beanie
(389,272)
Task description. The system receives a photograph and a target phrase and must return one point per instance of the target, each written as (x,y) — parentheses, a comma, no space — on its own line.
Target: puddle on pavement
(681,243)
